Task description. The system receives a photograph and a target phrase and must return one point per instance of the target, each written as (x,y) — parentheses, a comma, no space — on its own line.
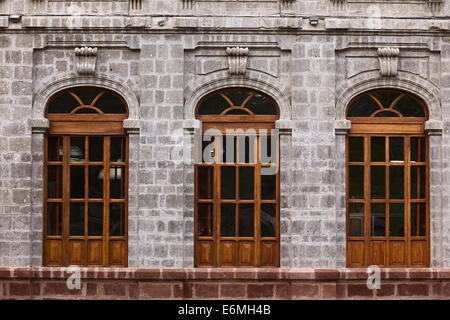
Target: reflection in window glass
(95,182)
(205,182)
(268,187)
(117,153)
(95,219)
(228,220)
(77,149)
(268,220)
(246,183)
(77,182)
(117,182)
(117,219)
(356,149)
(95,148)
(246,220)
(377,149)
(356,179)
(418,219)
(356,219)
(418,149)
(54,182)
(378,219)
(396,149)
(418,179)
(396,220)
(54,219)
(378,182)
(205,219)
(76,219)
(396,182)
(55,145)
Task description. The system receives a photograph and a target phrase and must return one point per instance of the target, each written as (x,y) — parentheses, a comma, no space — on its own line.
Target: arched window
(86,179)
(387,180)
(237,180)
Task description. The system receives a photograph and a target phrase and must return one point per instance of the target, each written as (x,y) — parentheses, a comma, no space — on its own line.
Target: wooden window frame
(236,251)
(87,250)
(388,250)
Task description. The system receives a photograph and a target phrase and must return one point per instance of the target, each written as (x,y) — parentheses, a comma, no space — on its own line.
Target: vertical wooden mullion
(257,199)
(387,207)
(217,204)
(367,209)
(66,199)
(86,197)
(407,200)
(106,197)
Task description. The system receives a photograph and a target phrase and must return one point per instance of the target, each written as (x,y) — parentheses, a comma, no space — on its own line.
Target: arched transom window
(237,180)
(86,179)
(387,180)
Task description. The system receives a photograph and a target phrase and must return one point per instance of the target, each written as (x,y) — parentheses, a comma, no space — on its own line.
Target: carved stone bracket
(388,58)
(187,4)
(86,59)
(338,5)
(237,60)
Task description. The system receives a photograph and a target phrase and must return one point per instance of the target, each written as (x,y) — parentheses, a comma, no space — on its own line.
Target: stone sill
(265,274)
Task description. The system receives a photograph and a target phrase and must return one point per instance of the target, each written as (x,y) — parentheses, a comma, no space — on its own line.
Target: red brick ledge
(224,273)
(223,283)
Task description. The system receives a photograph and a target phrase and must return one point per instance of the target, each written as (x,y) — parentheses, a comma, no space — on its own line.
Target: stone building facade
(162,57)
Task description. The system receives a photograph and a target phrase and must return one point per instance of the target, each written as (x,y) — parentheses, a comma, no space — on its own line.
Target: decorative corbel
(338,5)
(86,59)
(388,58)
(434,6)
(237,60)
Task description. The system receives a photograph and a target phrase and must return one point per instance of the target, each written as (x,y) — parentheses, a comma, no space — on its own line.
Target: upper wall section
(349,8)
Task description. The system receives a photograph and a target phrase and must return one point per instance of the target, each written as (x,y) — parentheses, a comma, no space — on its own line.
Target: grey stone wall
(165,58)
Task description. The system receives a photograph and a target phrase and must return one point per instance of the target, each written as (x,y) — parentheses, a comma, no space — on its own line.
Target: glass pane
(378,219)
(356,219)
(77,182)
(396,220)
(55,152)
(77,149)
(117,182)
(242,112)
(418,179)
(95,219)
(260,104)
(246,183)
(356,149)
(396,183)
(228,182)
(377,149)
(228,149)
(95,182)
(356,179)
(396,149)
(246,220)
(267,149)
(268,187)
(205,182)
(409,107)
(54,219)
(214,105)
(64,103)
(268,220)
(237,97)
(54,182)
(208,149)
(86,94)
(110,103)
(95,148)
(118,150)
(246,149)
(386,97)
(418,152)
(76,219)
(363,106)
(205,219)
(228,220)
(418,219)
(377,182)
(116,219)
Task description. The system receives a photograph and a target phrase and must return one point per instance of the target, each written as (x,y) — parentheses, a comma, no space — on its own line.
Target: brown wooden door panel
(53,253)
(76,252)
(205,253)
(246,253)
(397,253)
(227,253)
(378,253)
(419,253)
(268,253)
(355,253)
(117,252)
(94,252)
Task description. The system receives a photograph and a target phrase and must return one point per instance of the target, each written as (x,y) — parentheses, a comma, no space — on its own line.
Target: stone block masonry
(223,283)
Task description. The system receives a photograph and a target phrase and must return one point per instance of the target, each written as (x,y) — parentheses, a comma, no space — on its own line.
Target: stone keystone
(86,59)
(388,58)
(237,60)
